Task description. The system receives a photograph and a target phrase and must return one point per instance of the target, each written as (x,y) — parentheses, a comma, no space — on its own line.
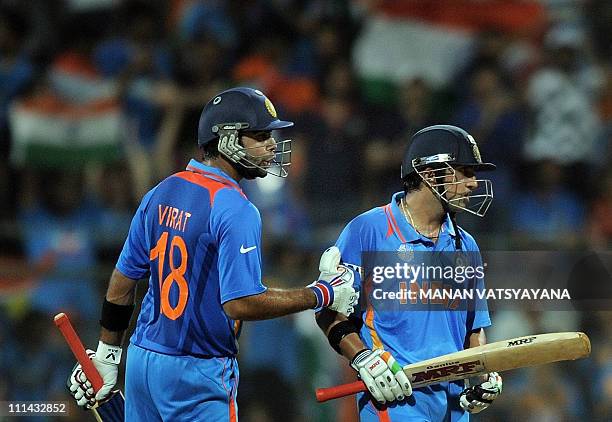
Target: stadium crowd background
(99,100)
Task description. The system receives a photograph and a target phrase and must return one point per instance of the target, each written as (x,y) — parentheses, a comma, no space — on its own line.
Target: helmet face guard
(255,165)
(476,202)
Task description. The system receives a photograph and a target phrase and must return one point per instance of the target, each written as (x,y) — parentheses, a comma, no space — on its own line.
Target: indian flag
(432,40)
(47,131)
(76,119)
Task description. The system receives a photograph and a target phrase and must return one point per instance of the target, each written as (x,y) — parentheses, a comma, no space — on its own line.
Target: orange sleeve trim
(211,185)
(216,178)
(369,320)
(232,411)
(393,223)
(389,227)
(376,342)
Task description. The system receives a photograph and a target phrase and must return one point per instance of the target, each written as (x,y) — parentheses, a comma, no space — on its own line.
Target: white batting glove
(106,360)
(477,398)
(383,376)
(334,289)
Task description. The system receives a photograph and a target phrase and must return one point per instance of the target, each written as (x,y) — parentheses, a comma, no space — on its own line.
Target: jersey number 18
(177,275)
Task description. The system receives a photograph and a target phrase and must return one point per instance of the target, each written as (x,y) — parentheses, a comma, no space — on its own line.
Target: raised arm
(333,290)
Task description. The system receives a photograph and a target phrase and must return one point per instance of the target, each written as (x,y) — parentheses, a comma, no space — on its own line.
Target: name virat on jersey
(174,218)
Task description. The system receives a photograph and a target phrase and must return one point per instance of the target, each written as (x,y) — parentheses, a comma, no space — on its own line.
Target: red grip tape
(342,390)
(63,323)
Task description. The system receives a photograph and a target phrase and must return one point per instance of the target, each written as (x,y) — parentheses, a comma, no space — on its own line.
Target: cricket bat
(500,356)
(112,409)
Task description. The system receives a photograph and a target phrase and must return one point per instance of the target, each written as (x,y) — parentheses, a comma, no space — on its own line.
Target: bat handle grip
(342,390)
(63,323)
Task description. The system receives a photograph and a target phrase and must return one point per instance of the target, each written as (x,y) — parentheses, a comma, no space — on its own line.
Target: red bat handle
(330,393)
(73,340)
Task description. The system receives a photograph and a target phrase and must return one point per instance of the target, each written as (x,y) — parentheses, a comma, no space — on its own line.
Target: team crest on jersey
(405,252)
(270,107)
(475,149)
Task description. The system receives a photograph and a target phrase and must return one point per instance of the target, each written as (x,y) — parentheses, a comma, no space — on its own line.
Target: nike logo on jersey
(245,250)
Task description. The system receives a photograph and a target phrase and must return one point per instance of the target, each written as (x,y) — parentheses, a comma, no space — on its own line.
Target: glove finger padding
(383,383)
(334,287)
(398,373)
(107,366)
(330,260)
(378,376)
(396,392)
(80,388)
(492,386)
(370,382)
(478,397)
(82,379)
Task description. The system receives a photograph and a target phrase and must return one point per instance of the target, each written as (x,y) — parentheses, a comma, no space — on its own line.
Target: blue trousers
(436,403)
(162,387)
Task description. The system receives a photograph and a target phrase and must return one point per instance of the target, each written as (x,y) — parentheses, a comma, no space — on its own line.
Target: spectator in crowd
(335,161)
(389,130)
(137,59)
(600,221)
(492,115)
(17,73)
(565,125)
(58,230)
(546,213)
(156,62)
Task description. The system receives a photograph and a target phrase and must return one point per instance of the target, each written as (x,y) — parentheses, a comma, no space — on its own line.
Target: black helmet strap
(453,219)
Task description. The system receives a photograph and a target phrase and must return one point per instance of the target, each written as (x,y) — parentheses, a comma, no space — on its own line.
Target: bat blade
(111,409)
(500,356)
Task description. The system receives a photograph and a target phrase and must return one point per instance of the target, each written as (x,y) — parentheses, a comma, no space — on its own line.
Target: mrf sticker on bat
(448,370)
(521,341)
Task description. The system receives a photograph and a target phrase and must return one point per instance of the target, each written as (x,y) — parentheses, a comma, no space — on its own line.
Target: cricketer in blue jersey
(198,239)
(438,175)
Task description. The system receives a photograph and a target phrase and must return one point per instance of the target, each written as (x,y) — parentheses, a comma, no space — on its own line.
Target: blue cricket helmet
(238,105)
(443,143)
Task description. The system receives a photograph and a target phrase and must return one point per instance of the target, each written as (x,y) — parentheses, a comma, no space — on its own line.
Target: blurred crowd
(100,99)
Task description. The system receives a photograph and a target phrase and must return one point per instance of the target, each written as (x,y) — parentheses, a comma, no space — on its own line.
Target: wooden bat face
(444,372)
(500,356)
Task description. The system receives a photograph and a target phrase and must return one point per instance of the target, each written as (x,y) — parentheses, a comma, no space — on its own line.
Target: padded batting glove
(334,289)
(106,360)
(383,376)
(477,398)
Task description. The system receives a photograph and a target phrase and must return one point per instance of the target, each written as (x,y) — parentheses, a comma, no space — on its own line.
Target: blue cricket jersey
(409,335)
(199,237)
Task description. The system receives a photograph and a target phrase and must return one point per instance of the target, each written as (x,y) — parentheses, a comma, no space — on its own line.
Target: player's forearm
(114,338)
(121,291)
(350,344)
(272,303)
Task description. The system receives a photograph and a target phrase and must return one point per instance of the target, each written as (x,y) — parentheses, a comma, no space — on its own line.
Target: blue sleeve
(478,317)
(481,313)
(350,245)
(236,225)
(134,260)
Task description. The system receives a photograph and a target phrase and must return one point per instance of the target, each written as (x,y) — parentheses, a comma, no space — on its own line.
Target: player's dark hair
(411,182)
(210,150)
